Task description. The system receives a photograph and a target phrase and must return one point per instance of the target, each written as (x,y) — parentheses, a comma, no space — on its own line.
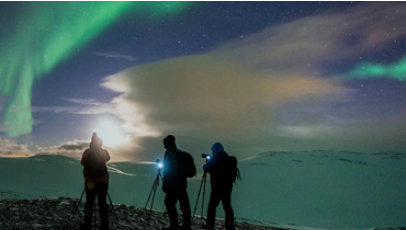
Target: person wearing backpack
(96,176)
(222,177)
(178,165)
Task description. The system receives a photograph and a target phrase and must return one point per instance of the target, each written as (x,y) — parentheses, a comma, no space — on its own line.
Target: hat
(96,141)
(217,148)
(170,139)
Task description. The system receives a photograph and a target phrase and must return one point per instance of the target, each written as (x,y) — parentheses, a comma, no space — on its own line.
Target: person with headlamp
(174,184)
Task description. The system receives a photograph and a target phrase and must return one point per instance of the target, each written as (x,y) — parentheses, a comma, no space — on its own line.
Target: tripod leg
(80,199)
(153,198)
(112,206)
(152,189)
(149,196)
(204,193)
(198,196)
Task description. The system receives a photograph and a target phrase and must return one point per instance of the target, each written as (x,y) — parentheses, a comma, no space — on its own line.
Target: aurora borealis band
(43,35)
(369,70)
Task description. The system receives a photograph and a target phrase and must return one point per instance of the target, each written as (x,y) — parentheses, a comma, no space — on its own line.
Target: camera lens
(208,157)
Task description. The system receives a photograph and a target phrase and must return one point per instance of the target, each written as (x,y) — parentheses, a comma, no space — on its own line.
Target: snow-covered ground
(317,189)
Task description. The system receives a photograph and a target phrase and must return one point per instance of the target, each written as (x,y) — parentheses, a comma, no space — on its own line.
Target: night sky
(256,76)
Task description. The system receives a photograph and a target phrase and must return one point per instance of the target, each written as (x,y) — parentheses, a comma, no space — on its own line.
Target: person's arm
(166,165)
(84,157)
(107,155)
(209,165)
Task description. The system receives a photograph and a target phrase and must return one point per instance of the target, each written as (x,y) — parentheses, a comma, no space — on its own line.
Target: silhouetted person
(221,187)
(174,185)
(96,180)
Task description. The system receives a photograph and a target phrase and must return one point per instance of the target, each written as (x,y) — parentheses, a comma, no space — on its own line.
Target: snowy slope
(39,176)
(325,189)
(317,189)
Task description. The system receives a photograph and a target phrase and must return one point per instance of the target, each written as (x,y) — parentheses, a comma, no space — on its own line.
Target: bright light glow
(110,132)
(160,165)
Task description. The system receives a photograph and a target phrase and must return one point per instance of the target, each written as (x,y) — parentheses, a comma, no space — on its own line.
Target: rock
(61,213)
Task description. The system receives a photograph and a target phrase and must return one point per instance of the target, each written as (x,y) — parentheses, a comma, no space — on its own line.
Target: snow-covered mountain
(320,189)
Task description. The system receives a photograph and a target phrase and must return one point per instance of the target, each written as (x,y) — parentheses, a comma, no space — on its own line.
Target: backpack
(232,173)
(188,165)
(95,165)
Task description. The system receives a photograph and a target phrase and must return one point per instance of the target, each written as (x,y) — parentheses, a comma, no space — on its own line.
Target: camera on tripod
(159,164)
(206,156)
(202,186)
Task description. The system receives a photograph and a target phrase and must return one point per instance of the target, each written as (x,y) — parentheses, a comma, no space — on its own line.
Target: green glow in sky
(368,70)
(43,34)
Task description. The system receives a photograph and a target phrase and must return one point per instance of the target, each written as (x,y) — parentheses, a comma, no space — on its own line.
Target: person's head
(217,148)
(96,142)
(169,142)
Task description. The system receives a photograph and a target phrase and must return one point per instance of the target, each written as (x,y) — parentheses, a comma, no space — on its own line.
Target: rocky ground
(64,213)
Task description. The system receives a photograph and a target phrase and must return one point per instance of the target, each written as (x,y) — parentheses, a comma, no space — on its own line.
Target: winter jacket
(216,166)
(174,179)
(106,157)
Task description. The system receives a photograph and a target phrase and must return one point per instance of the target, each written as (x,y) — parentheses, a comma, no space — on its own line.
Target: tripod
(202,185)
(152,192)
(95,204)
(81,197)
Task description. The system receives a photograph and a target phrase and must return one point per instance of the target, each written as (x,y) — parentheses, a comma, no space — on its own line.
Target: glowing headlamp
(208,157)
(159,164)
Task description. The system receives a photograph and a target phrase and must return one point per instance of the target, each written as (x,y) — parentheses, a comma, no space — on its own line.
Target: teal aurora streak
(43,34)
(368,70)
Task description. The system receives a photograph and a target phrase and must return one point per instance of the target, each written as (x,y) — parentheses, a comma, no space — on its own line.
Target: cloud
(82,107)
(213,93)
(78,145)
(116,55)
(74,148)
(232,94)
(54,109)
(9,147)
(83,101)
(302,131)
(307,43)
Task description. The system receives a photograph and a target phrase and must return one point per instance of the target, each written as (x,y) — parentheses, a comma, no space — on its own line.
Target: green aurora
(44,34)
(369,70)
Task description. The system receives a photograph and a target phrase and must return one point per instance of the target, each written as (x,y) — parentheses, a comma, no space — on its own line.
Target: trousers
(170,202)
(223,193)
(98,189)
